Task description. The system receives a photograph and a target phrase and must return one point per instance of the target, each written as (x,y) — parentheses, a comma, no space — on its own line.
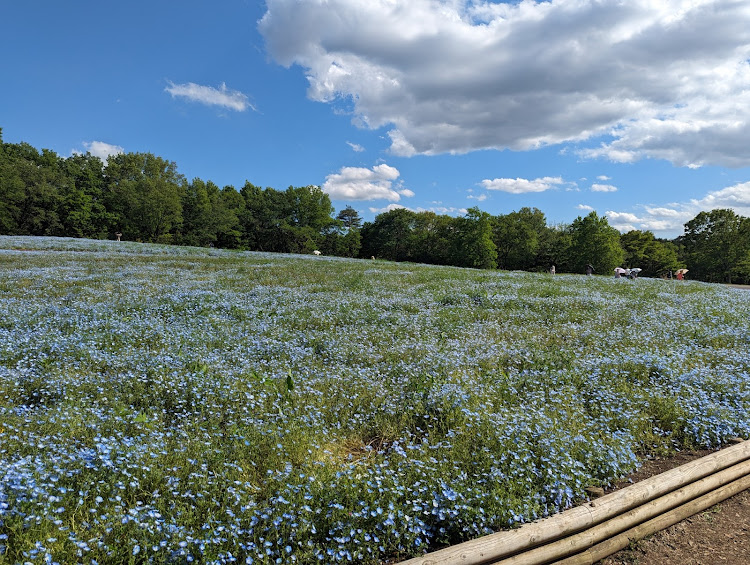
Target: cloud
(446,210)
(355,146)
(736,197)
(603,188)
(101,149)
(522,186)
(671,218)
(603,178)
(668,227)
(210,96)
(388,208)
(359,183)
(585,207)
(441,210)
(664,79)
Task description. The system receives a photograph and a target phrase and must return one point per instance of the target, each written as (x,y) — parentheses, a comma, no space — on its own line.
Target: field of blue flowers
(170,405)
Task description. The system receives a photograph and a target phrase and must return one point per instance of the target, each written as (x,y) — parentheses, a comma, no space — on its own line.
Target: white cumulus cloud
(522,186)
(445,210)
(388,208)
(596,187)
(360,183)
(210,96)
(623,221)
(101,149)
(664,79)
(670,219)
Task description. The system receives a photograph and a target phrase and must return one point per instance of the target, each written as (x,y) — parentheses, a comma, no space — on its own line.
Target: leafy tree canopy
(595,242)
(144,197)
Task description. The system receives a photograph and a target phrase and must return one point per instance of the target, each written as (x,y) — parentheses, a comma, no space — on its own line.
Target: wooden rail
(587,533)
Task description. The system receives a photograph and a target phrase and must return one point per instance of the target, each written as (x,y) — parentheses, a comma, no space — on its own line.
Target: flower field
(170,405)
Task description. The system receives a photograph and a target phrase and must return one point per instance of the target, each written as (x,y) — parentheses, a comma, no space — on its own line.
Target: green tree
(309,207)
(227,206)
(554,248)
(517,237)
(83,212)
(474,245)
(351,222)
(593,241)
(343,237)
(40,178)
(716,242)
(12,191)
(741,269)
(643,250)
(388,237)
(432,238)
(197,220)
(349,219)
(351,244)
(294,221)
(304,218)
(258,220)
(143,192)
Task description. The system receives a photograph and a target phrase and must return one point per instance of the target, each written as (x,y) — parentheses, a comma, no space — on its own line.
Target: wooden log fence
(588,533)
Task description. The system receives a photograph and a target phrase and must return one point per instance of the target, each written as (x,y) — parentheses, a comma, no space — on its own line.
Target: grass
(167,405)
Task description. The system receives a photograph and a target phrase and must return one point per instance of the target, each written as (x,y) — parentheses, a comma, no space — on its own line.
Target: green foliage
(433,239)
(145,198)
(83,211)
(309,207)
(554,248)
(595,242)
(349,219)
(144,192)
(741,269)
(717,244)
(474,245)
(643,250)
(518,237)
(12,189)
(196,214)
(29,183)
(389,236)
(227,207)
(403,235)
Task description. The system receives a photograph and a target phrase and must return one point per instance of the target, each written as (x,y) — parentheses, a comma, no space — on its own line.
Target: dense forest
(144,198)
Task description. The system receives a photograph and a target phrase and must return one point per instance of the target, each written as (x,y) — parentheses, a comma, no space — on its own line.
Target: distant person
(680,276)
(552,270)
(589,269)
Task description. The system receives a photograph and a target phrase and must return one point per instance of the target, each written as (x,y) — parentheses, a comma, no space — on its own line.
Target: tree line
(145,198)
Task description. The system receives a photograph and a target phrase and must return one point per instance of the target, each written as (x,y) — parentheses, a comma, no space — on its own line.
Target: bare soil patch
(720,534)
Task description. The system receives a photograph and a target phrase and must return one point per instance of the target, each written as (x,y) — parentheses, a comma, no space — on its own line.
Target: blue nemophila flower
(223,407)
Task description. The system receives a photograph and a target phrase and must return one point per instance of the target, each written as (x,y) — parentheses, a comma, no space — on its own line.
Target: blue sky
(638,110)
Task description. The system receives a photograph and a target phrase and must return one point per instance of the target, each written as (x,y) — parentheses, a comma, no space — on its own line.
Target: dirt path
(719,535)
